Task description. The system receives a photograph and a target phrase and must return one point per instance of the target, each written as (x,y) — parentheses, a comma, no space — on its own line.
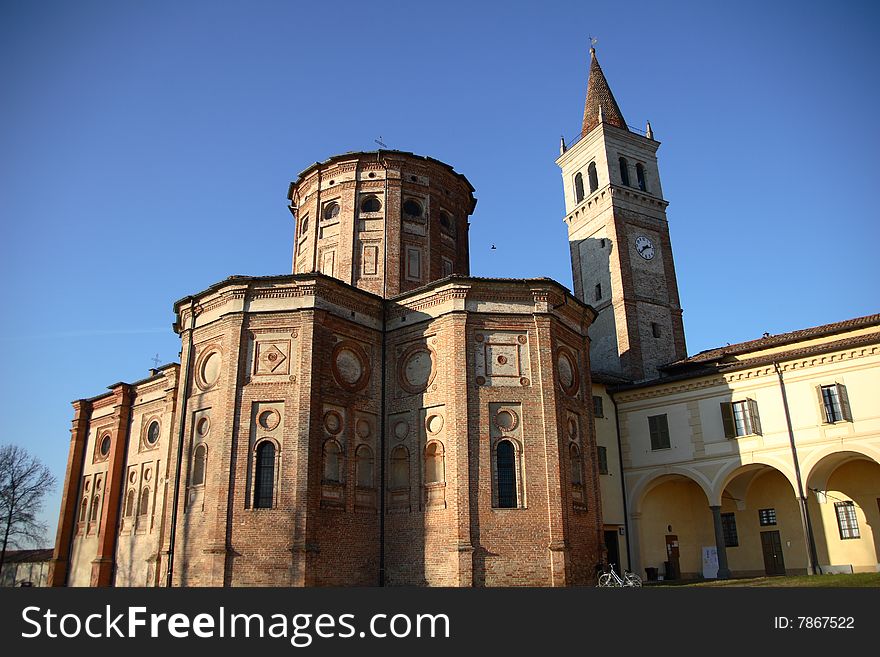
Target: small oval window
(105,445)
(412,208)
(153,433)
(371,204)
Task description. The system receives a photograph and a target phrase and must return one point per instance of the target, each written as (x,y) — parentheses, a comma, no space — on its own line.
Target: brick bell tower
(621,255)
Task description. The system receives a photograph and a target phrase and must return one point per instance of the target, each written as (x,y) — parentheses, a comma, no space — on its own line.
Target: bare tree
(24,482)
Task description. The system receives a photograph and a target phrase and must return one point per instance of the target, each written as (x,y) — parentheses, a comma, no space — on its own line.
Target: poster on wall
(710,562)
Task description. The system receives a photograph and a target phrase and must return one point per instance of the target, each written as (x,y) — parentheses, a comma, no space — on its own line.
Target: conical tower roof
(600,106)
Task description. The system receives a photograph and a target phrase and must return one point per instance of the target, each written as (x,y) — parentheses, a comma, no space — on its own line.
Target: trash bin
(652,574)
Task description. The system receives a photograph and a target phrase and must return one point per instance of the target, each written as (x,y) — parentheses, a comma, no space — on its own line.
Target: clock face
(644,247)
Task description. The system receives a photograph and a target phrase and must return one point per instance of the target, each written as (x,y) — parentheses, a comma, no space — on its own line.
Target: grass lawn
(812,581)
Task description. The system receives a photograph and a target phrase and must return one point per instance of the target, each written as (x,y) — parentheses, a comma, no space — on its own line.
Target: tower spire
(600,106)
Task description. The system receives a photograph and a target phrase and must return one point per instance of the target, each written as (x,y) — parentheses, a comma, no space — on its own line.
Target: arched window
(264,476)
(129,503)
(331,210)
(593,176)
(506,465)
(144,506)
(640,176)
(446,221)
(364,466)
(96,505)
(624,171)
(83,509)
(332,462)
(434,465)
(399,467)
(412,208)
(578,188)
(371,204)
(574,455)
(303,225)
(198,469)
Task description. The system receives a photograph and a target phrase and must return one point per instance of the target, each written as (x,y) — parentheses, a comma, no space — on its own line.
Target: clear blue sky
(146,149)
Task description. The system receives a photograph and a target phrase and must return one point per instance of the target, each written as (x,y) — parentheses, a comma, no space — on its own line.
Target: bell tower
(621,256)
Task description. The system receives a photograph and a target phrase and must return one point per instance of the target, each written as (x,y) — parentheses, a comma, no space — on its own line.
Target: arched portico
(844,503)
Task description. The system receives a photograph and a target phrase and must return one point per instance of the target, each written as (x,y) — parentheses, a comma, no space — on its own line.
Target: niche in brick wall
(333,444)
(433,441)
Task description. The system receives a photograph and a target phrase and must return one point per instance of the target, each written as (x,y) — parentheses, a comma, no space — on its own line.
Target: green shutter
(727,420)
(844,402)
(756,420)
(664,432)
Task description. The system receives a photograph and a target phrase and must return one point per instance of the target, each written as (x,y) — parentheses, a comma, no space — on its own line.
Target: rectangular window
(740,418)
(835,403)
(598,410)
(767,517)
(602,458)
(659,429)
(655,329)
(847,522)
(598,292)
(728,527)
(413,264)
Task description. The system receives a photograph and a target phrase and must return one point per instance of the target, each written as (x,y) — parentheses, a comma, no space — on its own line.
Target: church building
(381,417)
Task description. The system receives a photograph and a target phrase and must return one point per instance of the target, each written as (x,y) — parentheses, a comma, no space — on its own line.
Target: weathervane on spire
(593,42)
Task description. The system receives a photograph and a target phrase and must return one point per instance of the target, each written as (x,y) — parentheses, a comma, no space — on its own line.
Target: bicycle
(609,577)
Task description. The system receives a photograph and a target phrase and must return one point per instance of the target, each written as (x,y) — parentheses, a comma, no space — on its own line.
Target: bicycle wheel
(631,579)
(605,579)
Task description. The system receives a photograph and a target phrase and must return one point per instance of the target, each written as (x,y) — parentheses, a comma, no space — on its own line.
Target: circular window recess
(401,430)
(333,422)
(332,182)
(203,426)
(506,420)
(153,433)
(208,369)
(350,366)
(568,372)
(363,428)
(572,429)
(412,208)
(105,445)
(417,368)
(132,476)
(88,485)
(148,474)
(372,174)
(371,204)
(269,419)
(434,424)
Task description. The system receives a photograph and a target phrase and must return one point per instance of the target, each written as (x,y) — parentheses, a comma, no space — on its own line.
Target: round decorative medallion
(416,368)
(506,420)
(333,422)
(362,428)
(481,380)
(269,419)
(209,371)
(566,366)
(148,474)
(350,366)
(88,485)
(401,429)
(521,339)
(153,433)
(572,429)
(480,337)
(433,424)
(524,381)
(105,445)
(502,360)
(131,476)
(203,426)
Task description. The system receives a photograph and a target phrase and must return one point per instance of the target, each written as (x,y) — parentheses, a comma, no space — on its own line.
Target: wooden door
(771,545)
(674,569)
(613,550)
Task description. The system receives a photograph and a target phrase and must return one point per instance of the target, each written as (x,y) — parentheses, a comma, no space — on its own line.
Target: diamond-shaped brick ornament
(271,358)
